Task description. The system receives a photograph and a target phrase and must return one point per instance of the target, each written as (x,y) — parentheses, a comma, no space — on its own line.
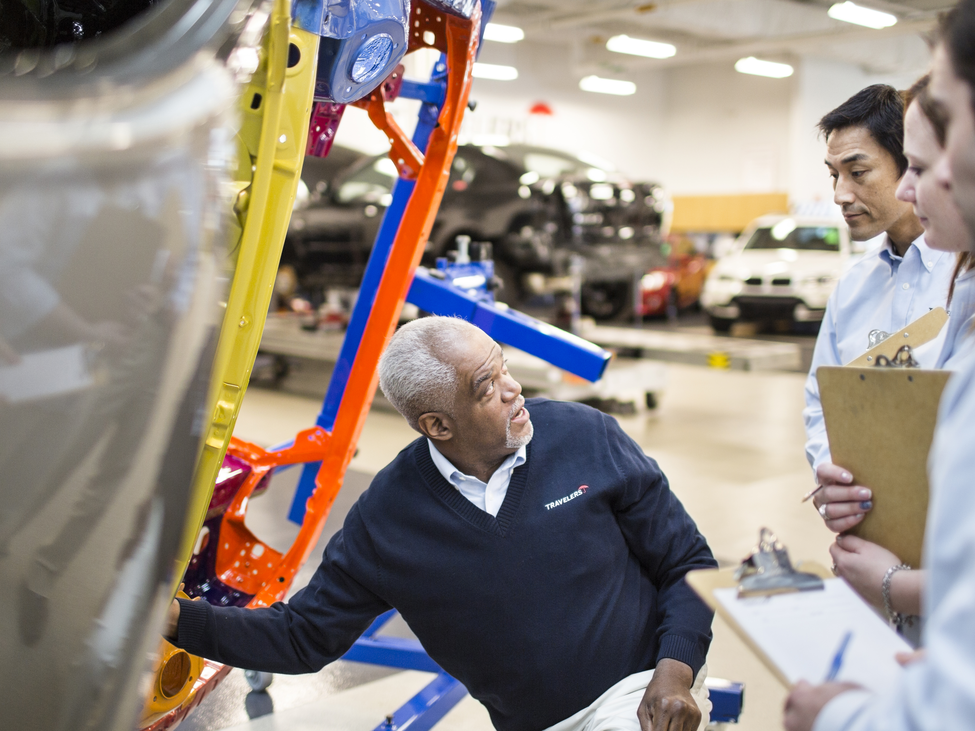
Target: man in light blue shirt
(892,285)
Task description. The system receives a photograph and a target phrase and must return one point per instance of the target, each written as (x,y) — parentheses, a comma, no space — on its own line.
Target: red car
(677,285)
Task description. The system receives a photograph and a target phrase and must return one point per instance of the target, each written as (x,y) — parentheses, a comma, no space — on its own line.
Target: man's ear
(436,425)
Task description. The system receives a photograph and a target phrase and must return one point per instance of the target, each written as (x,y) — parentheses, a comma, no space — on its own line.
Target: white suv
(781,267)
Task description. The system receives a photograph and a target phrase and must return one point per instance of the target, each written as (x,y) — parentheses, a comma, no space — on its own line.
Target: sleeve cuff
(685,650)
(841,713)
(191,628)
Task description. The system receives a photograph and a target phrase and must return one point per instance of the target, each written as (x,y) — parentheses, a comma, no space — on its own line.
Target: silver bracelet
(896,618)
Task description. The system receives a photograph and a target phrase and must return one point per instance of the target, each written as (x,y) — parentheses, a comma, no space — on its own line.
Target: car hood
(780,262)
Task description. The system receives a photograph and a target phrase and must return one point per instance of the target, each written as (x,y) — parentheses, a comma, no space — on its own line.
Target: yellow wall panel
(724,213)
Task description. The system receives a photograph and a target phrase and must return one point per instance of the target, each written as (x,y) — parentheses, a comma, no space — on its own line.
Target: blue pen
(834,668)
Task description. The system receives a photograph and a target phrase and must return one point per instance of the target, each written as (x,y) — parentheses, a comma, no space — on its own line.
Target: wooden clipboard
(705,581)
(880,424)
(923,330)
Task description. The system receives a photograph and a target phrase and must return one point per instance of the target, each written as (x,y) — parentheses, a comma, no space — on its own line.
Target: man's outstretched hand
(668,705)
(172,614)
(172,620)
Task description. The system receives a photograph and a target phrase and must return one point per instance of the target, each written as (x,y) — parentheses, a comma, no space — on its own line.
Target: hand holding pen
(837,662)
(839,502)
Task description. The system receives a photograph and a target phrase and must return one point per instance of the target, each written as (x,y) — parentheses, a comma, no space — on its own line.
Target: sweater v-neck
(449,494)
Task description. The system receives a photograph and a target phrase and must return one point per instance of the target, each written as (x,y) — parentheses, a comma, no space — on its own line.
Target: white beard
(513,442)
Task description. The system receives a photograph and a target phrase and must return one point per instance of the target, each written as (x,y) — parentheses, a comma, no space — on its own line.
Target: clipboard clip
(768,570)
(876,337)
(903,358)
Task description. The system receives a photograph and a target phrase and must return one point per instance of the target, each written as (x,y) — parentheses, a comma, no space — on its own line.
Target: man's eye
(915,170)
(858,173)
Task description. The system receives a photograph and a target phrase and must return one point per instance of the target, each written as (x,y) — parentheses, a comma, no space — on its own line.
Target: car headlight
(653,281)
(372,57)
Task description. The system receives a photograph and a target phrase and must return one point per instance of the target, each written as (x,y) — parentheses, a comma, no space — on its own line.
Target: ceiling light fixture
(494,71)
(607,86)
(758,67)
(503,33)
(640,47)
(859,15)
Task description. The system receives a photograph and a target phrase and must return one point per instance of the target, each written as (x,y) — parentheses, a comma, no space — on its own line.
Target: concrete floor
(731,445)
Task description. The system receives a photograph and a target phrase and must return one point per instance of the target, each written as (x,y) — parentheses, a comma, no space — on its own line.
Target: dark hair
(879,108)
(957,32)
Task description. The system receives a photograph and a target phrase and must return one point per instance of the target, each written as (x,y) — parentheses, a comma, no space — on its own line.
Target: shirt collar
(928,256)
(447,469)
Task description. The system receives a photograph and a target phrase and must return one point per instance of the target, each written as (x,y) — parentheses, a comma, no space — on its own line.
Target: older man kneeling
(533,548)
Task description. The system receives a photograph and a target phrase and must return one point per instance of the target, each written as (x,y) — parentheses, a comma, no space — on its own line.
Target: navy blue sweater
(576,584)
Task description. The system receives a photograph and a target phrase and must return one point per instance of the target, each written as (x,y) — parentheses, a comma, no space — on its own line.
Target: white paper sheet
(800,633)
(45,373)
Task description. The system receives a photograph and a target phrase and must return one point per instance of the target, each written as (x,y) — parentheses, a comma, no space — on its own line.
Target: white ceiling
(718,30)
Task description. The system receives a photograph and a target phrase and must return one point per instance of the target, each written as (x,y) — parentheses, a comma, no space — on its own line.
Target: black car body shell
(535,223)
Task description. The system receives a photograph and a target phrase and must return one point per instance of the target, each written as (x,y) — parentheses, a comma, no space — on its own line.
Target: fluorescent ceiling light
(757,67)
(503,33)
(640,47)
(494,71)
(607,86)
(852,13)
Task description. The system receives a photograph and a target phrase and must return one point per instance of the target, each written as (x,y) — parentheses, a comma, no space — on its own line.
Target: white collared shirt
(487,496)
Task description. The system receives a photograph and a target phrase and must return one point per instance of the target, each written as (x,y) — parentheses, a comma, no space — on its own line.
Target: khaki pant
(615,710)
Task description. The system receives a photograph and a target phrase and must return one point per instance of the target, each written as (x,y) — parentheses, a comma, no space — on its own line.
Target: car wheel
(604,300)
(258,681)
(721,324)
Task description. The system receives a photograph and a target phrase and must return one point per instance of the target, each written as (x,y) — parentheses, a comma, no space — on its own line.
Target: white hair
(414,373)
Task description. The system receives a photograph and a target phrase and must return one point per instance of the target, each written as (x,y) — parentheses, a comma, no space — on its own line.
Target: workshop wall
(701,130)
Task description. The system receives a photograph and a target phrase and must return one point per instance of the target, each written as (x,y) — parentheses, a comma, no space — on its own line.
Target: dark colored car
(318,174)
(537,207)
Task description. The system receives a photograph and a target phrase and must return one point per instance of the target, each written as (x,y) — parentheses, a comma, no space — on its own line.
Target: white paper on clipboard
(801,631)
(45,373)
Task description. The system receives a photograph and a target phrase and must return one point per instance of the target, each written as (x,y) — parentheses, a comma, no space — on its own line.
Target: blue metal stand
(428,706)
(727,699)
